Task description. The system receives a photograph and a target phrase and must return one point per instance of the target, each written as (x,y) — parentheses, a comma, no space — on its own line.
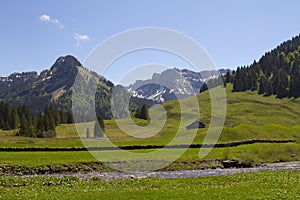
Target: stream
(177,174)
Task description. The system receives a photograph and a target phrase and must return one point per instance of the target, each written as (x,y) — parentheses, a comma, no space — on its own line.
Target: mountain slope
(172,84)
(57,85)
(49,86)
(53,85)
(15,81)
(249,116)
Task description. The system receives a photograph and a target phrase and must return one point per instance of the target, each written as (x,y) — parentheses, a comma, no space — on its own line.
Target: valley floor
(249,117)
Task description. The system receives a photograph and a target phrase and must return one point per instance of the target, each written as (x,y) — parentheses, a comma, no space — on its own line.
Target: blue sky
(35,33)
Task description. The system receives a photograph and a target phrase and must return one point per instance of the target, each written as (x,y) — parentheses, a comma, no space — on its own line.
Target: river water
(177,174)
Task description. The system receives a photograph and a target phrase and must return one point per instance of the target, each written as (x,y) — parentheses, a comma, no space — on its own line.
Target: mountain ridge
(56,85)
(173,83)
(51,85)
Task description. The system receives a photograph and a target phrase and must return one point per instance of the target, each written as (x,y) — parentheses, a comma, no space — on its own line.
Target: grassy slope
(260,185)
(249,116)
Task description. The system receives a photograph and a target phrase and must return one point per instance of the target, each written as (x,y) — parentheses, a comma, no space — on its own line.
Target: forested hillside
(276,73)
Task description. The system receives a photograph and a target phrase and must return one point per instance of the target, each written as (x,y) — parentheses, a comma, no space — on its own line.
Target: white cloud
(81,37)
(48,19)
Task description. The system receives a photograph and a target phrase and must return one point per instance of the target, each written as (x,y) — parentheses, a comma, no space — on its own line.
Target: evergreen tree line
(142,112)
(21,119)
(276,73)
(99,129)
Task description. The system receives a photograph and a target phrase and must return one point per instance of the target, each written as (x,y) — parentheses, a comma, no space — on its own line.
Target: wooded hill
(276,73)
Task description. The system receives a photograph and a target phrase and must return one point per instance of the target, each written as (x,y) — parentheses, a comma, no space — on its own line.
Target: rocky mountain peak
(53,85)
(65,63)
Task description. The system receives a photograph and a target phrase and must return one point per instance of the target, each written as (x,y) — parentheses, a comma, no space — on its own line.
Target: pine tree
(142,113)
(14,122)
(99,127)
(294,89)
(262,84)
(50,118)
(40,126)
(280,84)
(32,128)
(1,114)
(252,79)
(63,117)
(7,110)
(46,121)
(25,122)
(203,88)
(237,81)
(24,125)
(88,134)
(227,77)
(268,88)
(70,119)
(232,76)
(57,118)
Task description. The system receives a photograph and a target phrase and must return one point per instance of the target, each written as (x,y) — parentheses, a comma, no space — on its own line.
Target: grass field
(260,185)
(253,154)
(249,116)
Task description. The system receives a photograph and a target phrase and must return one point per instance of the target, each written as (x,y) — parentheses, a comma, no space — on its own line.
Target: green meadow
(260,185)
(253,154)
(249,116)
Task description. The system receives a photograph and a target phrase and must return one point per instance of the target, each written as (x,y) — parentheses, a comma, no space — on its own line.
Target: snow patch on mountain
(172,84)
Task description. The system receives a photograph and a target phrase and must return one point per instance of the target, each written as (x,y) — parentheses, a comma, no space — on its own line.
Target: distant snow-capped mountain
(172,84)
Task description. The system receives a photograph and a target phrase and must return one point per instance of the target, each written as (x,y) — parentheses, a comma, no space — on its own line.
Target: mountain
(53,85)
(14,81)
(50,86)
(276,73)
(172,84)
(56,85)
